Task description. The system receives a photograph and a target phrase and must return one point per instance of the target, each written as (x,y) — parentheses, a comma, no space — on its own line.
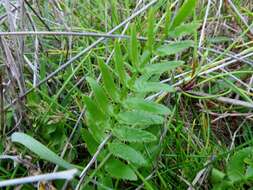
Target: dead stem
(2,103)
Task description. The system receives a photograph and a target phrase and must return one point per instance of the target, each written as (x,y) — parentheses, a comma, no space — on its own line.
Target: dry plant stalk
(1,103)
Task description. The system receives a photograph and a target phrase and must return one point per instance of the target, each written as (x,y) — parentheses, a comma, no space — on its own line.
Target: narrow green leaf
(148,106)
(94,111)
(134,47)
(92,144)
(139,118)
(119,64)
(185,10)
(100,96)
(167,20)
(174,48)
(132,134)
(115,17)
(41,150)
(120,170)
(89,141)
(184,29)
(160,68)
(108,80)
(151,32)
(127,153)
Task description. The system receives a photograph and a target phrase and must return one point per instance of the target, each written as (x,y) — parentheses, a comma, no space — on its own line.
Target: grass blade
(134,47)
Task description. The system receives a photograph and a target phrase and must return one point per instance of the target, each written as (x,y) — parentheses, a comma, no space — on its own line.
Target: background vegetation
(131,94)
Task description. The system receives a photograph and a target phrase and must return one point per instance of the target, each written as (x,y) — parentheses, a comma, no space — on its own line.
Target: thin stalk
(2,104)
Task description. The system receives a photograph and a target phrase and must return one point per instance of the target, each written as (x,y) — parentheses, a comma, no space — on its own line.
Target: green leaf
(174,48)
(127,153)
(97,130)
(236,168)
(94,111)
(92,144)
(120,170)
(217,176)
(146,87)
(89,141)
(151,33)
(139,118)
(223,185)
(167,20)
(41,150)
(185,10)
(133,135)
(148,106)
(108,81)
(134,47)
(145,58)
(184,29)
(104,181)
(119,64)
(249,172)
(100,95)
(160,68)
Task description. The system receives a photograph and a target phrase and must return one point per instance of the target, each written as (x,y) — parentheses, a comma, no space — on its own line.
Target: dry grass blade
(11,64)
(202,36)
(73,33)
(2,125)
(225,100)
(67,175)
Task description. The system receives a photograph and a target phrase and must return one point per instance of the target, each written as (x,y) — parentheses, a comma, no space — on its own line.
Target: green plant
(143,106)
(119,105)
(239,171)
(120,108)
